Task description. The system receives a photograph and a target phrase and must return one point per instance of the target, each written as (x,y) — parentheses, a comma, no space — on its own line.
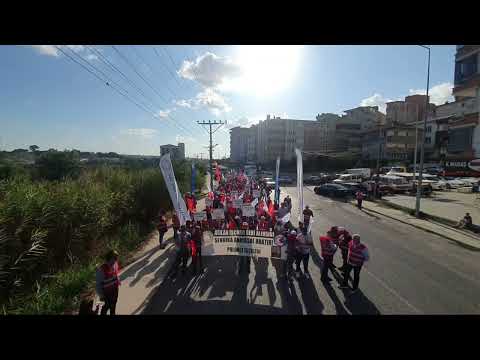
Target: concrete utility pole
(422,149)
(210,123)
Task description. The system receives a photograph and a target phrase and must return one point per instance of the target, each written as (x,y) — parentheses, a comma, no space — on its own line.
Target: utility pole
(210,123)
(422,149)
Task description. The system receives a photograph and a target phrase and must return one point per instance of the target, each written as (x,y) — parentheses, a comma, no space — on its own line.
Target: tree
(33,148)
(57,165)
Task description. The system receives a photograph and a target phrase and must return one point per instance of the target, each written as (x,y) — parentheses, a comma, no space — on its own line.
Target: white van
(345,178)
(397,183)
(365,172)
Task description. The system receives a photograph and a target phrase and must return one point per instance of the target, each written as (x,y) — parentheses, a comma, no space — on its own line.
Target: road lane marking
(405,301)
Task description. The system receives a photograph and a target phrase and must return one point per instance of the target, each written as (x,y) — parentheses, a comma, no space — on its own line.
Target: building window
(428,140)
(429,129)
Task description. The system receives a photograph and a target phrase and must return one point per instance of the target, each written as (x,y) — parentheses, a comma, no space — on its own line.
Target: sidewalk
(450,206)
(470,241)
(150,267)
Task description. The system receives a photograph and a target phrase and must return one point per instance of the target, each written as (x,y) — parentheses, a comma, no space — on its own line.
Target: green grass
(59,228)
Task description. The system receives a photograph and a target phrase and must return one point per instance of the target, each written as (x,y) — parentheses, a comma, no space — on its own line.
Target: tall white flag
(299,183)
(175,195)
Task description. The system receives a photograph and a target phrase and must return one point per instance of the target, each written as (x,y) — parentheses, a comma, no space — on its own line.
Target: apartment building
(239,137)
(177,152)
(408,111)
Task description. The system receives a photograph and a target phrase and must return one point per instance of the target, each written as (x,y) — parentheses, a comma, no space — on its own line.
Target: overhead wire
(107,80)
(125,59)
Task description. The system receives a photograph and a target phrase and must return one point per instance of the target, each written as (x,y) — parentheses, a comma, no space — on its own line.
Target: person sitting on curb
(466,222)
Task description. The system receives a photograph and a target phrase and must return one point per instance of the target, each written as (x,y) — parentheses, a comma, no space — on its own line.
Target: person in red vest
(232,225)
(196,246)
(291,252)
(344,238)
(162,229)
(334,235)
(108,282)
(357,255)
(263,224)
(328,250)
(359,195)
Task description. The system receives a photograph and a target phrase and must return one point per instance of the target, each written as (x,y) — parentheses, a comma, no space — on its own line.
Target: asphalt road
(410,272)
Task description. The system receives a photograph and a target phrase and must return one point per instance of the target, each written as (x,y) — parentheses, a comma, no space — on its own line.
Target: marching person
(162,229)
(278,228)
(107,282)
(244,261)
(360,196)
(175,224)
(304,244)
(263,224)
(357,255)
(291,252)
(335,237)
(343,240)
(196,246)
(181,248)
(307,214)
(328,250)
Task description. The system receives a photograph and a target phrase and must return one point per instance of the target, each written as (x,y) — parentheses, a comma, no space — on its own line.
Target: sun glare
(266,70)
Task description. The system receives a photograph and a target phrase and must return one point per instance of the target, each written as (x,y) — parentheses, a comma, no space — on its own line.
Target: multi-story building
(177,152)
(410,110)
(239,144)
(252,144)
(343,133)
(327,126)
(467,72)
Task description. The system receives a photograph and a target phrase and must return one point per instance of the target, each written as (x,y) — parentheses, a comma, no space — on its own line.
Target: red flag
(271,209)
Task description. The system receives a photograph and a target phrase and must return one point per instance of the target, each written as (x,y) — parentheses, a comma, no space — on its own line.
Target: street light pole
(422,151)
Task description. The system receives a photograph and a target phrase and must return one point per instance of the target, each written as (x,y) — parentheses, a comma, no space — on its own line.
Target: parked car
(451,183)
(314,180)
(285,179)
(353,187)
(384,189)
(332,190)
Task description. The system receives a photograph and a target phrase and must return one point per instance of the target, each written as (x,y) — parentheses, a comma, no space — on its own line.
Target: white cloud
(51,50)
(439,94)
(209,70)
(184,103)
(213,101)
(92,57)
(376,100)
(164,113)
(141,132)
(246,121)
(184,139)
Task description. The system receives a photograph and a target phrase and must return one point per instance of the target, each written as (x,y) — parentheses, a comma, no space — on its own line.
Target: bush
(50,227)
(58,165)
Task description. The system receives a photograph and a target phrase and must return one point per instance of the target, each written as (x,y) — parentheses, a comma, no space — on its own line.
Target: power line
(112,66)
(148,83)
(103,80)
(140,75)
(168,69)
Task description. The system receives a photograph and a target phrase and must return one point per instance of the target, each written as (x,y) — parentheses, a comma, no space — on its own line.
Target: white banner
(208,202)
(242,243)
(276,197)
(299,183)
(248,210)
(218,214)
(237,203)
(175,195)
(254,202)
(256,194)
(199,216)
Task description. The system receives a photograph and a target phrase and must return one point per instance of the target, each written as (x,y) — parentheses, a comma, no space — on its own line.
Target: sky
(156,94)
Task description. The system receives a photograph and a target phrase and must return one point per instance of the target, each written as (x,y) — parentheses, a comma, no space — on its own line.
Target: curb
(426,230)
